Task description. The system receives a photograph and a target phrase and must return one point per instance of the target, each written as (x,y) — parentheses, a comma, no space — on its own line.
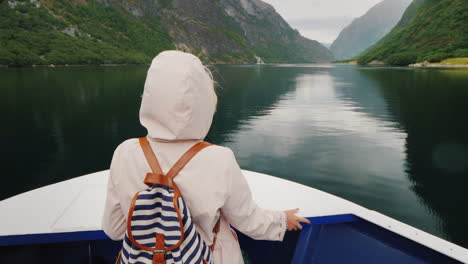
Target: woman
(177,110)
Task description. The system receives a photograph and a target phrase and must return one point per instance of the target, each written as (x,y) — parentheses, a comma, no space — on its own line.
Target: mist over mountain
(134,31)
(327,45)
(368,29)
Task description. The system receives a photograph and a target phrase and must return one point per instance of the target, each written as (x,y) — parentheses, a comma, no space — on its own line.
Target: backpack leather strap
(150,157)
(159,253)
(216,229)
(178,166)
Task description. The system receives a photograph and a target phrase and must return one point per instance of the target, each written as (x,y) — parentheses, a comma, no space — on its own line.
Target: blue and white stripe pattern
(154,212)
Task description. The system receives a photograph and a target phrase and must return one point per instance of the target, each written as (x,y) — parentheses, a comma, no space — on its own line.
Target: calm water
(392,139)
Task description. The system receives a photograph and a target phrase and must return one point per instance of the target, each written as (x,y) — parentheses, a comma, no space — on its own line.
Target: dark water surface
(392,139)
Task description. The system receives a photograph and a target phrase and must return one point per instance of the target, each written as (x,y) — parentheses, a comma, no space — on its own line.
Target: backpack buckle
(159,251)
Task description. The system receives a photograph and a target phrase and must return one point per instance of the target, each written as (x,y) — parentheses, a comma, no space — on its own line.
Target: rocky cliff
(228,30)
(134,31)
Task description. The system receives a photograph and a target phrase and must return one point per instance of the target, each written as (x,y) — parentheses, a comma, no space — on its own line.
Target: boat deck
(64,219)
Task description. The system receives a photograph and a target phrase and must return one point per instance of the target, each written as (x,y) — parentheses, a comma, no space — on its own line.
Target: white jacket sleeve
(113,221)
(243,213)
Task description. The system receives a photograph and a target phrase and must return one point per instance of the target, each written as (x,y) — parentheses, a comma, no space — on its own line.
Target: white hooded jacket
(177,110)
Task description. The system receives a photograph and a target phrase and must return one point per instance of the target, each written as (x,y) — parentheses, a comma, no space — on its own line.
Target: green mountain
(429,30)
(368,29)
(134,31)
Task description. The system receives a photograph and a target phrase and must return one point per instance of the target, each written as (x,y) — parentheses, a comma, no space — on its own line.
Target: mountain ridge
(134,31)
(367,29)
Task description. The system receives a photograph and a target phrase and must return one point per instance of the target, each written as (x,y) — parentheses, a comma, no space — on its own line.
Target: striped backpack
(159,225)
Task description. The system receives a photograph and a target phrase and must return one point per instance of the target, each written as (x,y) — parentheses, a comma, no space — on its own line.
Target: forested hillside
(71,33)
(133,31)
(430,30)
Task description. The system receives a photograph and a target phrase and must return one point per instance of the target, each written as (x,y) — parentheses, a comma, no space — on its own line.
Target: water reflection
(393,140)
(64,122)
(341,130)
(333,131)
(431,106)
(246,92)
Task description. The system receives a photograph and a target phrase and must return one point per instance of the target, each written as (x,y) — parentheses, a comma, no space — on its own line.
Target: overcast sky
(321,20)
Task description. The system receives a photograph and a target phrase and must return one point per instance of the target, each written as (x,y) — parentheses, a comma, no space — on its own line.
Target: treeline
(67,32)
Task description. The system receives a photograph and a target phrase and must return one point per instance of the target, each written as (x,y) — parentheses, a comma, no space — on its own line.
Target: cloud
(329,23)
(322,36)
(321,20)
(324,30)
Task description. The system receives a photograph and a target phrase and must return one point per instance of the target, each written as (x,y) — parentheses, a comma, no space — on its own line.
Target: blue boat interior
(329,239)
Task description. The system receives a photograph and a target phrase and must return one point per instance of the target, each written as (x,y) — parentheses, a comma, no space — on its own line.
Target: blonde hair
(213,84)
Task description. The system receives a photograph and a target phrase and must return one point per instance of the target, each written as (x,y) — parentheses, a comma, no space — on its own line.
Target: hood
(178,101)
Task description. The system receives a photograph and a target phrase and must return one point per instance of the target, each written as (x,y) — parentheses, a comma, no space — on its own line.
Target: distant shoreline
(352,62)
(437,65)
(415,65)
(116,65)
(68,65)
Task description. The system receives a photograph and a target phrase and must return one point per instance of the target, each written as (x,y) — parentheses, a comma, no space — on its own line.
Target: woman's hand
(294,222)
